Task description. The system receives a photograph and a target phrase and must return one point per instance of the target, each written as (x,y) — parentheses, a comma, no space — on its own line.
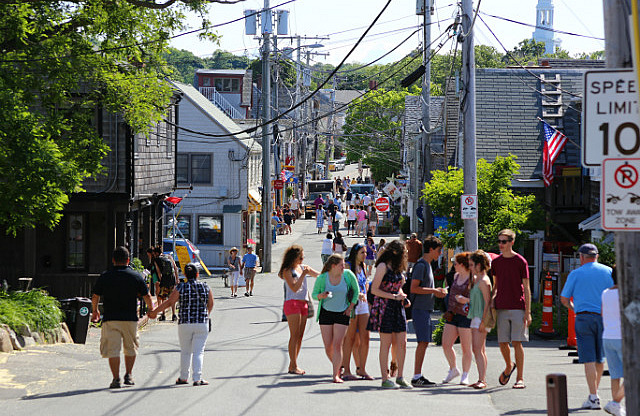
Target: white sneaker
(591,404)
(464,380)
(453,373)
(614,408)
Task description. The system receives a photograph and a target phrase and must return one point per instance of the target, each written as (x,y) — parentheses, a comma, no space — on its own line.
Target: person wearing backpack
(422,293)
(168,275)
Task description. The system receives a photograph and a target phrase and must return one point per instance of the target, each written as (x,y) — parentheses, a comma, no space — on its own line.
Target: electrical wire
(115,48)
(279,116)
(473,22)
(541,27)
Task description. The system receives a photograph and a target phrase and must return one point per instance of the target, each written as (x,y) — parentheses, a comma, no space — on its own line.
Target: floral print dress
(387,315)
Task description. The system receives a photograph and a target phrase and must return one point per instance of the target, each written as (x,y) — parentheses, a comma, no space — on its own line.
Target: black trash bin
(77,316)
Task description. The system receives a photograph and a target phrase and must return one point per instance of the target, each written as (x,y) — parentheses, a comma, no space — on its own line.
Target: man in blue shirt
(585,285)
(248,267)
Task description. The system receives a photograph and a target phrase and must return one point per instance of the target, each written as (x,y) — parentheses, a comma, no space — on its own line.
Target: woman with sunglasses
(337,291)
(370,258)
(296,309)
(458,325)
(357,338)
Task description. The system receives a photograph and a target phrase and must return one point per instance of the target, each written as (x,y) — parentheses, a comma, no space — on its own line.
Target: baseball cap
(588,249)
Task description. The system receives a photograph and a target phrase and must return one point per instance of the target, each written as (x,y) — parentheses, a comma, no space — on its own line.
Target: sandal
(297,372)
(479,385)
(504,376)
(349,377)
(181,381)
(201,383)
(519,385)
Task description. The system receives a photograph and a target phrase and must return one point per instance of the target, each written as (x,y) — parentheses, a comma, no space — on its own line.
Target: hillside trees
(61,62)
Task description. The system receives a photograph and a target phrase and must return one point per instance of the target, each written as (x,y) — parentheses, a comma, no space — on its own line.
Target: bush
(437,332)
(34,308)
(405,224)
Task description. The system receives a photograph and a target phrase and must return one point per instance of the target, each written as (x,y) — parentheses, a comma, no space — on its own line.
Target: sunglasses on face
(503,241)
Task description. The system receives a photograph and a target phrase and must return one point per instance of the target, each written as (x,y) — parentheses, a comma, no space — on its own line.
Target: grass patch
(35,308)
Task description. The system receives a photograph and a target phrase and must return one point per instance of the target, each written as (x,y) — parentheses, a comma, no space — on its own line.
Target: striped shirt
(194,296)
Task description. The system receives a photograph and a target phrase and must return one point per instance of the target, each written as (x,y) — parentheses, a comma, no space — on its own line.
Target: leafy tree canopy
(62,62)
(373,133)
(498,206)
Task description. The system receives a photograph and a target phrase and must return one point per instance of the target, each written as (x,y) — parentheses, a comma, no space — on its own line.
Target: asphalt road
(246,363)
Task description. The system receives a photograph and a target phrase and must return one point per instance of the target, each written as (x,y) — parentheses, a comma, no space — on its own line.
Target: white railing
(218,99)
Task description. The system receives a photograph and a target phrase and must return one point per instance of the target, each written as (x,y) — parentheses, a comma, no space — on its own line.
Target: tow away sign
(469,207)
(620,194)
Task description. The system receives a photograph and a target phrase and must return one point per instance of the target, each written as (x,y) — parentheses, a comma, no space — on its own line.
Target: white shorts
(475,324)
(362,308)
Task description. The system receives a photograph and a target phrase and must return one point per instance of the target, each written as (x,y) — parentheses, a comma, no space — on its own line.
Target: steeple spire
(544,30)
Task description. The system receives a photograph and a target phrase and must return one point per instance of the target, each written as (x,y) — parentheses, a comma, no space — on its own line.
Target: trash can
(77,315)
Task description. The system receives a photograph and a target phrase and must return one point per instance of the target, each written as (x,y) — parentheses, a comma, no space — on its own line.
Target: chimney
(373,84)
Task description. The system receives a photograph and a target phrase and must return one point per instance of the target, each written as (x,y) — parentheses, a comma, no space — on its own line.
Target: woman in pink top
(362,222)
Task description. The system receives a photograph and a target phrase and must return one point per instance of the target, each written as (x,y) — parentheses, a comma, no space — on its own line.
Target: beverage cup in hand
(329,294)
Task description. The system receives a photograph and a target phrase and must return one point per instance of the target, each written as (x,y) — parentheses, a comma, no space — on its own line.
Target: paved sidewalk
(246,362)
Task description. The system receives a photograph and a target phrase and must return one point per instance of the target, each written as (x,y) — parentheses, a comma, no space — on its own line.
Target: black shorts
(330,318)
(460,321)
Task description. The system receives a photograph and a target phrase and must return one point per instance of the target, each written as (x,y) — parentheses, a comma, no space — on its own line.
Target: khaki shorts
(510,323)
(117,333)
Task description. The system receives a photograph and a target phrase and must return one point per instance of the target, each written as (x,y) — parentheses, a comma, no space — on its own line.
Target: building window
(227,84)
(206,82)
(210,229)
(194,168)
(184,224)
(75,241)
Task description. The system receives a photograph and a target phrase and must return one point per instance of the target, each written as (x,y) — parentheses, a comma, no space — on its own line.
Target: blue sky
(329,17)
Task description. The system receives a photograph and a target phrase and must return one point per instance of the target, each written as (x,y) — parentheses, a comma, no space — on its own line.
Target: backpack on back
(166,268)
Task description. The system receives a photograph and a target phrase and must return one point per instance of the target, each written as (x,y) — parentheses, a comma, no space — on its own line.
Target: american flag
(554,141)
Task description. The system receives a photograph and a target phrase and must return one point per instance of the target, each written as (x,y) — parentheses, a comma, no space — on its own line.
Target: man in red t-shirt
(414,251)
(512,300)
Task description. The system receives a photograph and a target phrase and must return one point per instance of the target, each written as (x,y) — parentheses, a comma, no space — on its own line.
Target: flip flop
(519,385)
(366,377)
(506,377)
(297,372)
(349,377)
(479,385)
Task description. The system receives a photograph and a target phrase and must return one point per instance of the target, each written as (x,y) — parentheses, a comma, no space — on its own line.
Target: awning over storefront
(254,200)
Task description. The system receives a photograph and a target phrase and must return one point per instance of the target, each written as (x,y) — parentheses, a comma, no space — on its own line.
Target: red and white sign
(278,184)
(469,207)
(382,204)
(620,194)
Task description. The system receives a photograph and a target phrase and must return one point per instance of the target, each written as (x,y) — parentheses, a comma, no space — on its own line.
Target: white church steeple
(544,19)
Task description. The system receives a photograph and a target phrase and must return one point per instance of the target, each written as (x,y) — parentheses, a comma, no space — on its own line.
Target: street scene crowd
(365,287)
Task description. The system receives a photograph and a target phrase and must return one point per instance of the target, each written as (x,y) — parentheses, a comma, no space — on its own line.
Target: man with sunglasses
(512,300)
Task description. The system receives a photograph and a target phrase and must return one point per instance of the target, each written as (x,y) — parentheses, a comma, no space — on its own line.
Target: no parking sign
(469,207)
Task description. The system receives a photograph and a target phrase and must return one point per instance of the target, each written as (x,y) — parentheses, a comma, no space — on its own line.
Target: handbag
(312,309)
(490,321)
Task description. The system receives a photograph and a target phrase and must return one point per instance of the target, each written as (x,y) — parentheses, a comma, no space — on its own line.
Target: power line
(541,27)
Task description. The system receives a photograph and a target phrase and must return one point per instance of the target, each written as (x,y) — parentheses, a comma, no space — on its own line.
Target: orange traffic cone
(546,329)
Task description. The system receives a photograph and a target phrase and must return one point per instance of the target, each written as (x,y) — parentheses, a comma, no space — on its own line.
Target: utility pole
(265,226)
(618,55)
(425,98)
(469,114)
(301,140)
(276,110)
(329,134)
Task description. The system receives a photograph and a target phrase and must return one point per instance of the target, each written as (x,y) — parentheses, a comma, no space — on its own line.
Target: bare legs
(617,389)
(114,365)
(593,372)
(297,324)
(399,339)
(356,341)
(421,351)
(519,353)
(332,337)
(451,333)
(478,339)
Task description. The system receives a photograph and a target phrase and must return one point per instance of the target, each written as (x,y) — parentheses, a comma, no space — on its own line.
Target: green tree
(498,206)
(183,64)
(373,132)
(61,62)
(527,50)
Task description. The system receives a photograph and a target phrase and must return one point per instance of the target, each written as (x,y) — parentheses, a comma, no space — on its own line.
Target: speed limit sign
(610,116)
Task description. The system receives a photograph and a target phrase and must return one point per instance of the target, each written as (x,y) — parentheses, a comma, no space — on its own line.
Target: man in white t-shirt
(295,207)
(366,199)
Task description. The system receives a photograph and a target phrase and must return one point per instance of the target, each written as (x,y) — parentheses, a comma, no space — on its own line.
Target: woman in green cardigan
(337,291)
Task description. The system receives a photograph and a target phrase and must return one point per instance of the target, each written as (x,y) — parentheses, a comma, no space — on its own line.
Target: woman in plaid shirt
(196,303)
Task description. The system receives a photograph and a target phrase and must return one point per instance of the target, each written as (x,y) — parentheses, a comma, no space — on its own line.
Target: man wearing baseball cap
(585,285)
